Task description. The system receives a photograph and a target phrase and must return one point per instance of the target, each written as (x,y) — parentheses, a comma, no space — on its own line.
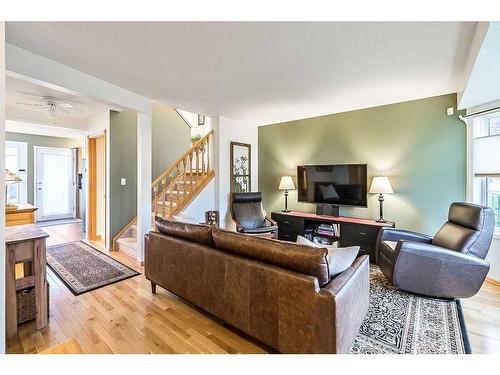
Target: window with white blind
(486,163)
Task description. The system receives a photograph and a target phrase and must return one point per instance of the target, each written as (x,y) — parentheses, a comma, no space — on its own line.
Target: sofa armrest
(391,234)
(435,271)
(349,293)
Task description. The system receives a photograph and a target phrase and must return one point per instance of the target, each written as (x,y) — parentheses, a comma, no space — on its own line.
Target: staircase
(172,191)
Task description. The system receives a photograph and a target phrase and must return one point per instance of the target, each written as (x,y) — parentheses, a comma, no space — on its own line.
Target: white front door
(54,183)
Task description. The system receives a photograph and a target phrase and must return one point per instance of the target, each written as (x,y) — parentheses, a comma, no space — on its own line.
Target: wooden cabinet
(353,231)
(23,214)
(25,244)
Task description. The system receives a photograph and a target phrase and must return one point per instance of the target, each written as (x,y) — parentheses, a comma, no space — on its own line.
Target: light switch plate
(123,181)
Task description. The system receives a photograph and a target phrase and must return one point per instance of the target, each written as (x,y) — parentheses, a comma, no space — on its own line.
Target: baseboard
(493,281)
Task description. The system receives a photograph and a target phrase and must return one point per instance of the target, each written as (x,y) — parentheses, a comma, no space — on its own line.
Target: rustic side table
(25,244)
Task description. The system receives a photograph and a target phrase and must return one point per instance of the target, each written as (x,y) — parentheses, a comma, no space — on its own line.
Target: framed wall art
(240,156)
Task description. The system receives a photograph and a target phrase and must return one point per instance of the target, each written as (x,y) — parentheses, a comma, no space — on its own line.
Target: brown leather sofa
(280,293)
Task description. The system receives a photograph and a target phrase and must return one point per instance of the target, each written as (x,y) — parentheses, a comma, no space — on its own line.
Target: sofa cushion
(339,258)
(302,259)
(192,232)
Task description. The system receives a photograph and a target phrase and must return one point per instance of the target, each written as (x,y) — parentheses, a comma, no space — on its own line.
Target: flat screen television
(337,184)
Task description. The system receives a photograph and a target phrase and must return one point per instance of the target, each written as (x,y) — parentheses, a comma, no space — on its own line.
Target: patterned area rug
(82,268)
(402,323)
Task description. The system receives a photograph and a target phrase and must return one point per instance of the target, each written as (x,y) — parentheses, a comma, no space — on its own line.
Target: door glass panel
(55,190)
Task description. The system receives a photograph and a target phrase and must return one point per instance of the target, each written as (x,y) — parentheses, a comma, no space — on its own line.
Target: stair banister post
(197,161)
(164,203)
(184,162)
(208,153)
(191,167)
(203,158)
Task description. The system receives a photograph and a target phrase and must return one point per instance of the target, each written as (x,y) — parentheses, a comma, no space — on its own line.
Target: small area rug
(402,323)
(82,268)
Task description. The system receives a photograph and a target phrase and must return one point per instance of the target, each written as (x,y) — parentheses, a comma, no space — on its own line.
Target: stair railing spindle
(208,154)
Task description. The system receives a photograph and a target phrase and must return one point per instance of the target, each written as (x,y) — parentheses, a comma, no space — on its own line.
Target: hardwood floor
(126,318)
(482,316)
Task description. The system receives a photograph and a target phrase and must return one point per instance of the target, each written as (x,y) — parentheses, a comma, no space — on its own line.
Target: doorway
(55,183)
(97,188)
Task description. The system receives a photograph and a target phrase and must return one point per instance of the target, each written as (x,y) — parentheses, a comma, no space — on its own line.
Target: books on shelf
(328,230)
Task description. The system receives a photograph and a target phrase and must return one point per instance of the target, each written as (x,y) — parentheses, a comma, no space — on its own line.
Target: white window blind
(487,156)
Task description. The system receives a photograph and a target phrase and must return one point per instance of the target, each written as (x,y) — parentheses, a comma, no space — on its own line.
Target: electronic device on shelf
(330,186)
(350,231)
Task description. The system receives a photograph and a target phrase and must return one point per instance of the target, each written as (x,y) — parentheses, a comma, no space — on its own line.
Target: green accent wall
(414,143)
(171,137)
(122,163)
(43,141)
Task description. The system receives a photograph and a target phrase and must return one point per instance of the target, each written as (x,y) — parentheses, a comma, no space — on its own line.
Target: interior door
(55,183)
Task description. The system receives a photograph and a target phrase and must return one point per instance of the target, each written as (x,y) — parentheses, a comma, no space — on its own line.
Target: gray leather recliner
(450,265)
(249,215)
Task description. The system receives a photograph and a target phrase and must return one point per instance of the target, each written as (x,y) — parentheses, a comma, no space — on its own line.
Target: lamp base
(286,210)
(381,221)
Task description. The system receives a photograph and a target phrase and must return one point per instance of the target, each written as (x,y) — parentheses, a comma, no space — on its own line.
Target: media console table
(353,231)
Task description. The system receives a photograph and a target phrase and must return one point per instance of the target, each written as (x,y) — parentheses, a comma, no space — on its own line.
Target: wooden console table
(25,244)
(353,231)
(23,214)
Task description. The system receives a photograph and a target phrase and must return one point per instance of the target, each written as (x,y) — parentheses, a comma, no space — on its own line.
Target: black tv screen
(340,184)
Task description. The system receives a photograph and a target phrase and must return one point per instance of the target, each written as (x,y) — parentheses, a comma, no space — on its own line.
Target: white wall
(205,201)
(2,187)
(228,130)
(217,193)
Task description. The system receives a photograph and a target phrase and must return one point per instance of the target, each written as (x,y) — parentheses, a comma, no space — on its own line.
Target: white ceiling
(20,91)
(261,72)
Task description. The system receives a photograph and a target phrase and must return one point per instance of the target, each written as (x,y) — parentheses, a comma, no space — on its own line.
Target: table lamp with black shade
(286,183)
(10,178)
(381,185)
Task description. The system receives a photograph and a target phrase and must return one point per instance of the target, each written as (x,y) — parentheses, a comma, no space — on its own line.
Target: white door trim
(73,175)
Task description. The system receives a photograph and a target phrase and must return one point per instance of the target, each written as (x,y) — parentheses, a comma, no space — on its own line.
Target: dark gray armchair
(450,265)
(249,216)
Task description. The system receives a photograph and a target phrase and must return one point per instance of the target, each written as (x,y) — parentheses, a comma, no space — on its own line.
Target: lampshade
(381,185)
(286,183)
(11,178)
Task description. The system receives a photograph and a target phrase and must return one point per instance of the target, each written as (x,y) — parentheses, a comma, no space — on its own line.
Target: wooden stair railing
(178,185)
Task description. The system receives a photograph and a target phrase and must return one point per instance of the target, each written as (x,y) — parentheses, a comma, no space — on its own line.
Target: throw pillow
(339,258)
